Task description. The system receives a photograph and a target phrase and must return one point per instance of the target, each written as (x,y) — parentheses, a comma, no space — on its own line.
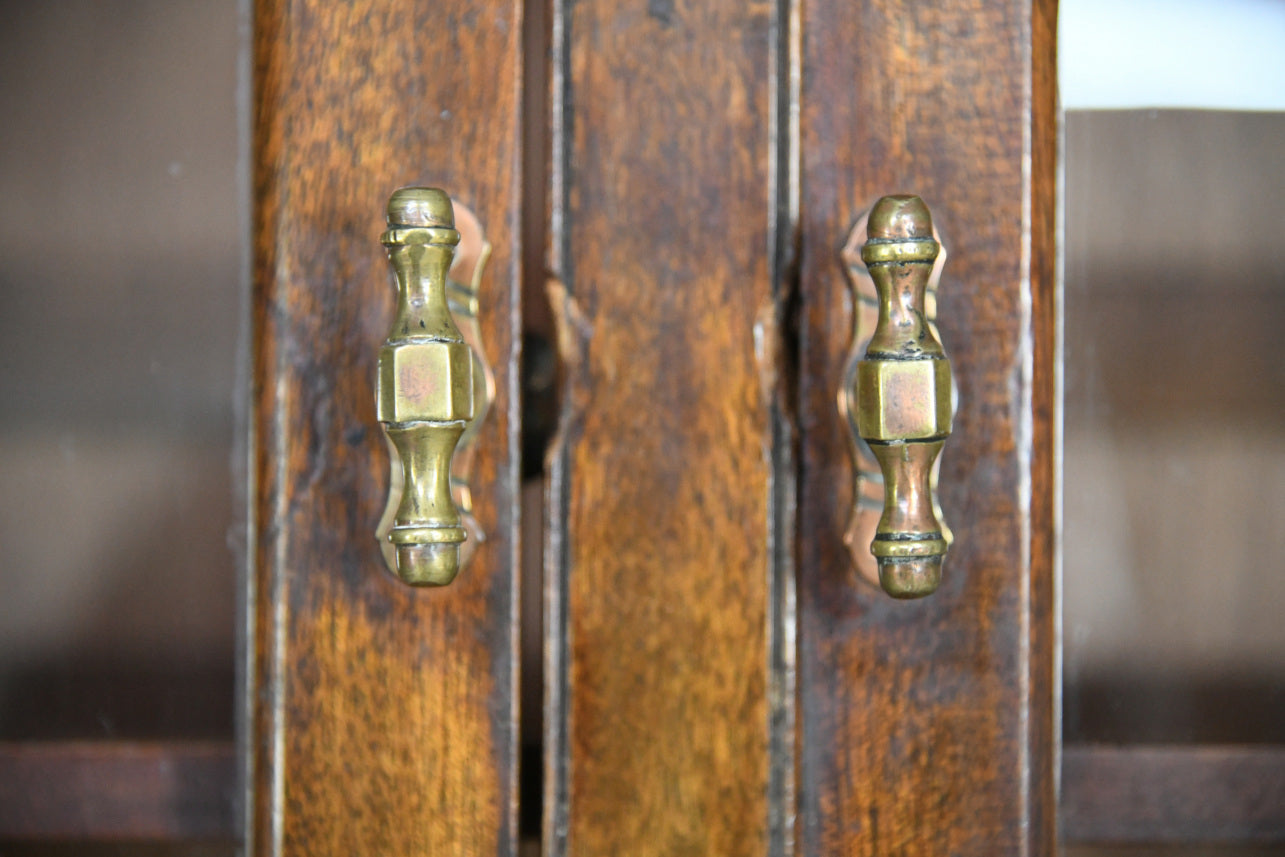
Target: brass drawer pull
(432,387)
(898,399)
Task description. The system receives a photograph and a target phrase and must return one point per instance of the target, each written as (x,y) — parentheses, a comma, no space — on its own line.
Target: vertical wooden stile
(928,727)
(671,490)
(383,717)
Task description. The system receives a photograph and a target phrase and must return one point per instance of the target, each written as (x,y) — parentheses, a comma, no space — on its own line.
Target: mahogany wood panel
(384,717)
(117,790)
(1173,794)
(661,566)
(927,727)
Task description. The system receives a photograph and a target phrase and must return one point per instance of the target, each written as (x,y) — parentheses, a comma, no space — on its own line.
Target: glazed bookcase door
(717,677)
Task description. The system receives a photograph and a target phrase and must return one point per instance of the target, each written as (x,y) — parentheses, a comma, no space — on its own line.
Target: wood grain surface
(927,727)
(660,565)
(384,718)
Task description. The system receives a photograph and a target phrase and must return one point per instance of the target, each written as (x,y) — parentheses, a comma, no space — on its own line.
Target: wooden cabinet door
(717,681)
(383,718)
(929,727)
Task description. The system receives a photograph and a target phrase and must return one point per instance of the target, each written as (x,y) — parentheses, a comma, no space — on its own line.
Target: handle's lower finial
(424,394)
(903,395)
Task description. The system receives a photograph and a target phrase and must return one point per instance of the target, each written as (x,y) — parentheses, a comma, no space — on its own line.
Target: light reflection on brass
(898,400)
(433,388)
(463,293)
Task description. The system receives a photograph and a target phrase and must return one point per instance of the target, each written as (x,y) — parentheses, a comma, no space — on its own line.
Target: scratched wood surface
(927,726)
(383,718)
(659,568)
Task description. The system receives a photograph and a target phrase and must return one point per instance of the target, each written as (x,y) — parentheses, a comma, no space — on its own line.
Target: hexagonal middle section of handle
(425,381)
(903,400)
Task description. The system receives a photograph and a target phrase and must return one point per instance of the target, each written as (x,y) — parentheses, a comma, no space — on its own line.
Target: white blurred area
(1211,54)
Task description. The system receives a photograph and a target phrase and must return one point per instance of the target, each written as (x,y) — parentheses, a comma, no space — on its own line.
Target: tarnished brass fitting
(424,394)
(904,408)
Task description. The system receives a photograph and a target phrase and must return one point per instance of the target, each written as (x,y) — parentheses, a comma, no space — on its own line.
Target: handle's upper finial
(428,207)
(904,409)
(900,218)
(424,394)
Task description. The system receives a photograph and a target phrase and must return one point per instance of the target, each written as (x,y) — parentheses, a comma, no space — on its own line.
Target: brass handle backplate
(898,399)
(433,388)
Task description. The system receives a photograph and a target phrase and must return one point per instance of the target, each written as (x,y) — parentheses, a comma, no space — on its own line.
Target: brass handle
(425,396)
(899,398)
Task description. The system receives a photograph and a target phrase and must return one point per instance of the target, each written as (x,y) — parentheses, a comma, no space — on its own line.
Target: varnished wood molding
(1173,794)
(176,791)
(100,790)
